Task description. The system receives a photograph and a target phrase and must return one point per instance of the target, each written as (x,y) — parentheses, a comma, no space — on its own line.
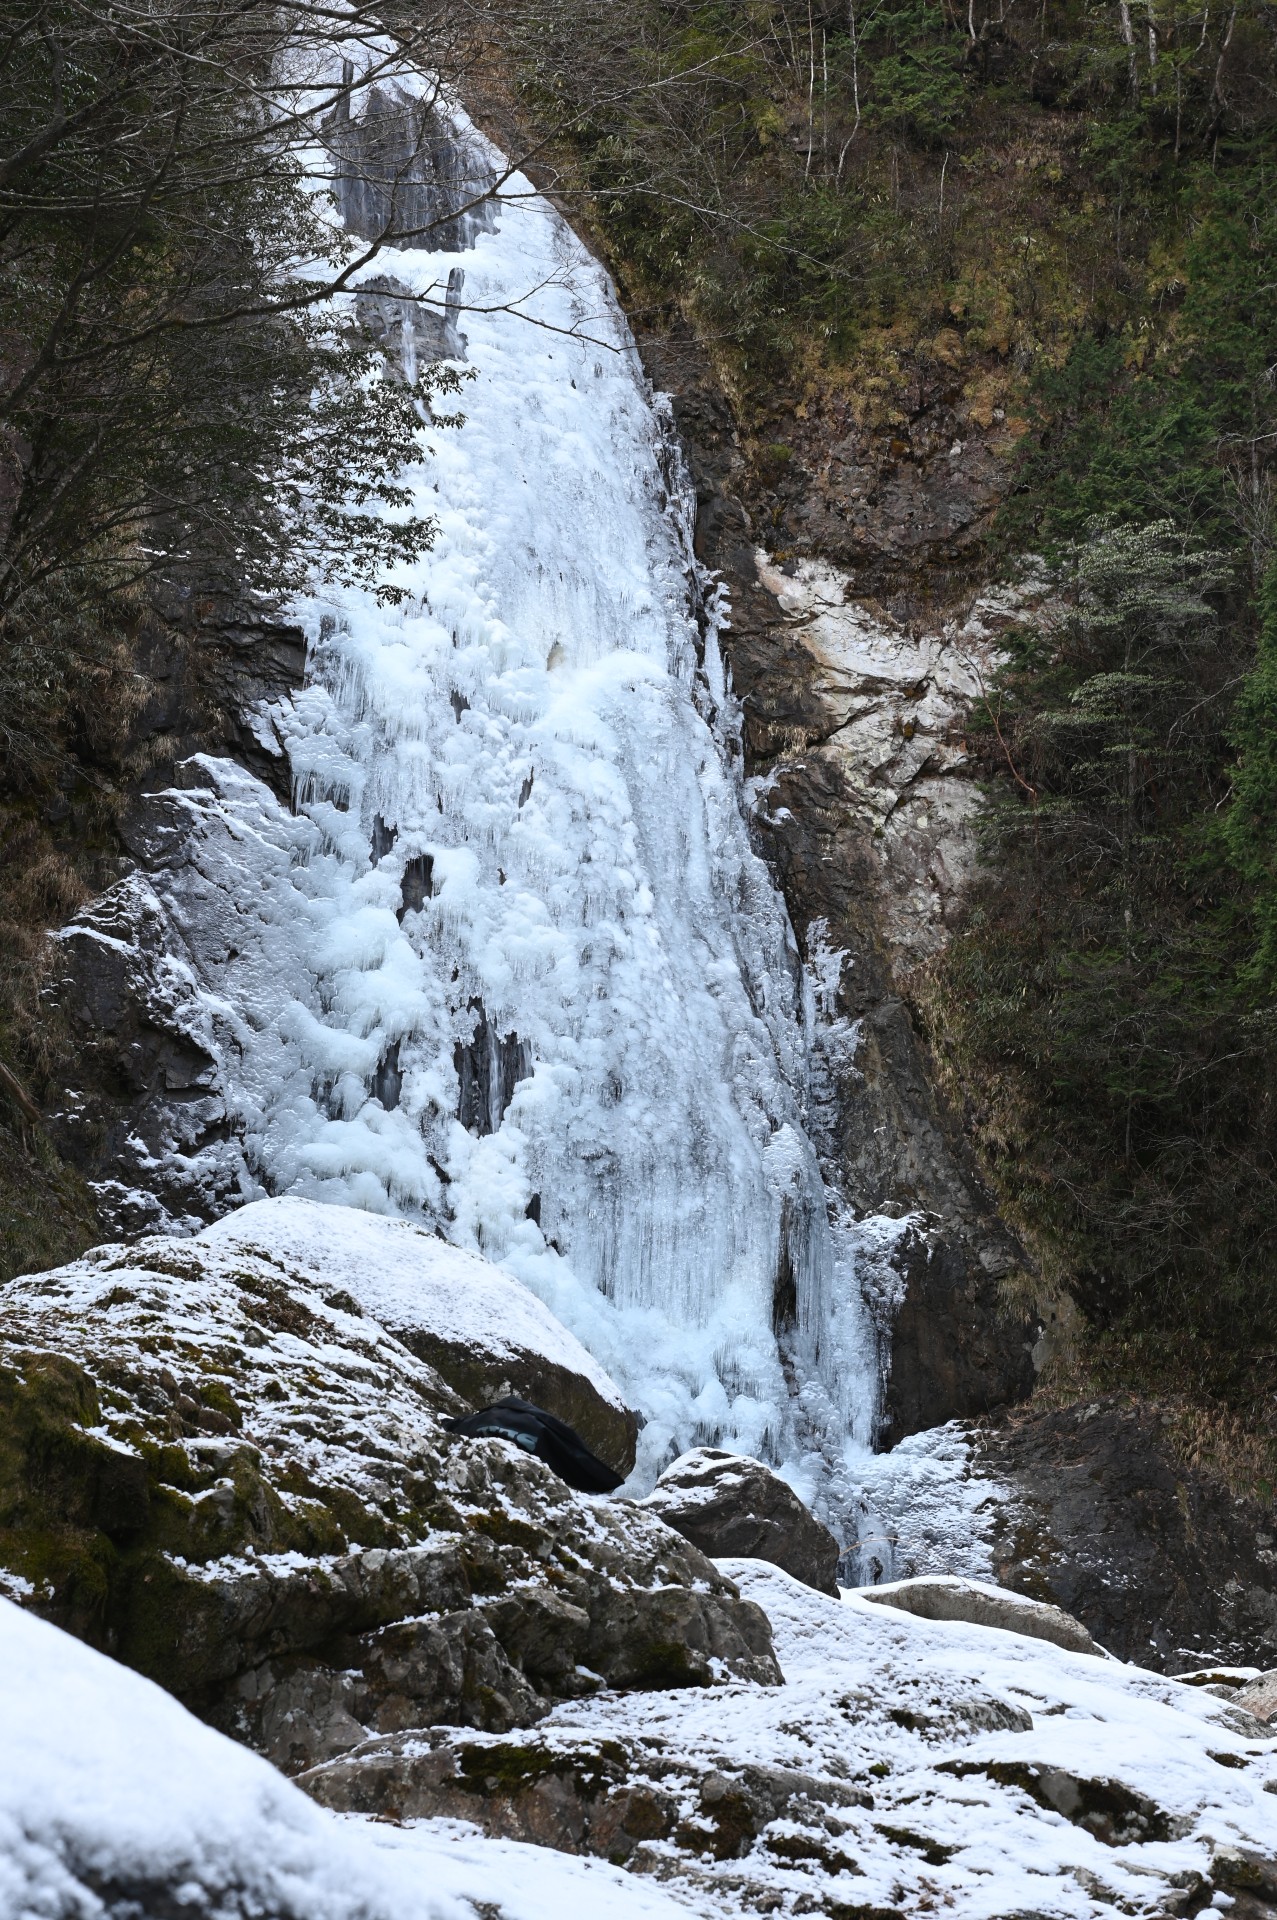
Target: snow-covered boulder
(236,1480)
(1259,1696)
(473,1323)
(906,1767)
(946,1597)
(115,1803)
(725,1503)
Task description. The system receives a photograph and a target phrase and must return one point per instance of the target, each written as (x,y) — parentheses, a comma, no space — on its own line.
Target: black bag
(540,1433)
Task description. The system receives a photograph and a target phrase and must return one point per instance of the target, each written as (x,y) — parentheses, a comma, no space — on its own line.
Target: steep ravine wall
(855,693)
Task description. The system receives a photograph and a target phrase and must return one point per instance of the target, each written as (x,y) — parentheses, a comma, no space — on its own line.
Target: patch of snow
(913,1711)
(405,1277)
(114,1799)
(537,1883)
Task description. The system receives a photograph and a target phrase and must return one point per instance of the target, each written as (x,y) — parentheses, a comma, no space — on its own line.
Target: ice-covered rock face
(511,966)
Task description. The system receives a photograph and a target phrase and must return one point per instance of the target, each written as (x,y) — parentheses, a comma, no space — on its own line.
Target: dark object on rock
(1097,1512)
(729,1505)
(538,1432)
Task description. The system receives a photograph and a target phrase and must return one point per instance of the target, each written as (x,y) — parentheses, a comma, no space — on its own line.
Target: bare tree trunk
(855,82)
(1128,36)
(1215,93)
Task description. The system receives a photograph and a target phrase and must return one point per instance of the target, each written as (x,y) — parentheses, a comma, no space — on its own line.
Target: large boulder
(1259,1696)
(227,1474)
(942,1597)
(487,1335)
(725,1503)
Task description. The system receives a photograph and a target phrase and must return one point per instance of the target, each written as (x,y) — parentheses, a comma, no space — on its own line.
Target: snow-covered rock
(944,1597)
(468,1319)
(116,1803)
(1259,1696)
(907,1766)
(225,1472)
(725,1503)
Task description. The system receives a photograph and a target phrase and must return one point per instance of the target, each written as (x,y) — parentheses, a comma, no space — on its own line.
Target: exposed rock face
(486,1335)
(142,1093)
(725,1504)
(1159,1561)
(1260,1697)
(853,719)
(581,1794)
(241,1488)
(882,1779)
(944,1598)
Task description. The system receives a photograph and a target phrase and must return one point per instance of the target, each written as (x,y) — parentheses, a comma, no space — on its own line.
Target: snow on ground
(114,1799)
(938,1742)
(917,1712)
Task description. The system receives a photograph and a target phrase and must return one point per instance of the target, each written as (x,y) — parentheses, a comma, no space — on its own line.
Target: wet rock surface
(242,1489)
(1160,1562)
(727,1505)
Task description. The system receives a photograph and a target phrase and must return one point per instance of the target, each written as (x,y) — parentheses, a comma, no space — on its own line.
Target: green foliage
(913,69)
(1093,1005)
(790,172)
(1146,424)
(1250,828)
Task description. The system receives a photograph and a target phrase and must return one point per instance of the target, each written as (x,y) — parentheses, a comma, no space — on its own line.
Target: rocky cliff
(856,679)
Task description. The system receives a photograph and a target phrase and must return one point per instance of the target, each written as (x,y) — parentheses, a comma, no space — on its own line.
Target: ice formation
(510,965)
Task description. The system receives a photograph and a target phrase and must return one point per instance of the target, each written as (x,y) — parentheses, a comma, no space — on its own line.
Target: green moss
(216,1395)
(47,1214)
(506,1531)
(511,1769)
(664,1663)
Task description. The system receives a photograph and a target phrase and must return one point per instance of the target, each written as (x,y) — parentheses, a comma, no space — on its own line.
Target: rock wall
(864,806)
(1099,1513)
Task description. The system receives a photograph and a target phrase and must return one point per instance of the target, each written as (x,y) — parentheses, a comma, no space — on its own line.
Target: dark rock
(537,1432)
(955,1347)
(1100,1515)
(1114,1813)
(731,1506)
(140,1100)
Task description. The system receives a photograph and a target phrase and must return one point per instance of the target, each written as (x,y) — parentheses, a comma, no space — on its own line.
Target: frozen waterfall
(511,965)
